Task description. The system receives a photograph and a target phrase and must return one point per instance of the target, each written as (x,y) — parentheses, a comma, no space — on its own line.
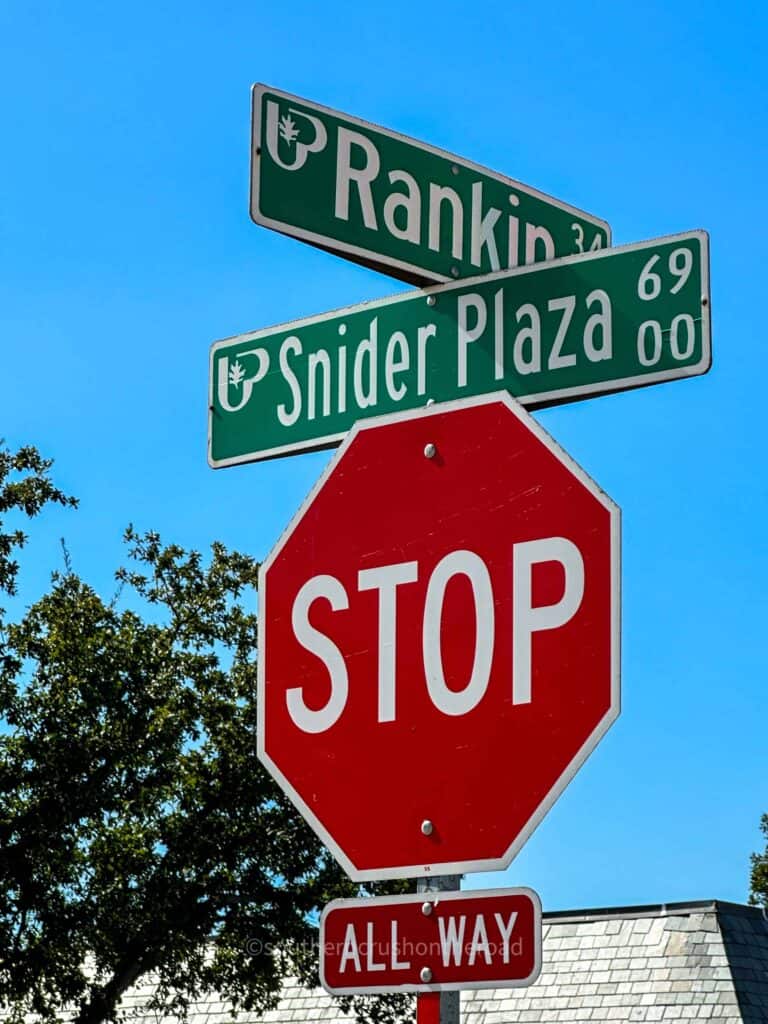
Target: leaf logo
(232,375)
(236,374)
(284,127)
(288,129)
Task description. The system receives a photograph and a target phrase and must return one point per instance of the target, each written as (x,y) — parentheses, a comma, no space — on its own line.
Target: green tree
(138,831)
(759,878)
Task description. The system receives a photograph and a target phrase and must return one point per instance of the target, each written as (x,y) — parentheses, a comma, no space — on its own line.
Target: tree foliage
(25,487)
(759,878)
(138,831)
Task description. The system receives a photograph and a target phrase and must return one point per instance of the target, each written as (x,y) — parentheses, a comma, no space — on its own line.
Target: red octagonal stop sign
(439,639)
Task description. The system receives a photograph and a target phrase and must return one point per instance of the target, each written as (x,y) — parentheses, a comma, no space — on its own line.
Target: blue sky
(126,249)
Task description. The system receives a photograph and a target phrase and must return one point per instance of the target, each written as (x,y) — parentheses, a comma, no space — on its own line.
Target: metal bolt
(430,451)
(454,169)
(425,974)
(455,271)
(704,300)
(427,828)
(426,909)
(431,300)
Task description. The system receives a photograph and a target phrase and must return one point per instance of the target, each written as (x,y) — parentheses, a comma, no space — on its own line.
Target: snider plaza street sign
(554,332)
(397,204)
(439,639)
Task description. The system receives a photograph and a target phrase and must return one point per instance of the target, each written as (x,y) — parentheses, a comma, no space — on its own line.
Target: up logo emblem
(282,128)
(232,377)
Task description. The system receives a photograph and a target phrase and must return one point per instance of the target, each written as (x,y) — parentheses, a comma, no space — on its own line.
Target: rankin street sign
(396,204)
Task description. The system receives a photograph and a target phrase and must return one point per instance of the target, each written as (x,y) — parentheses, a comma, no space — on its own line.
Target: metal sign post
(428,1006)
(438,1007)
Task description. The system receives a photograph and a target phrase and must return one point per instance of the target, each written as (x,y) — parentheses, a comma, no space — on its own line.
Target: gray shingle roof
(704,961)
(664,963)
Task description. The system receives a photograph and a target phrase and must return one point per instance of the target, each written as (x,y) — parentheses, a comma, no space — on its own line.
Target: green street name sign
(584,325)
(396,204)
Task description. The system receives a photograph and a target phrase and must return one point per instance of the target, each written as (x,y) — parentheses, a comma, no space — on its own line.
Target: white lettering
(527,620)
(317,643)
(534,234)
(465,563)
(598,321)
(398,343)
(566,306)
(482,229)
(386,579)
(370,963)
(410,202)
(346,175)
(292,345)
(451,939)
(350,950)
(498,334)
(527,362)
(505,930)
(394,946)
(513,236)
(466,334)
(366,352)
(437,195)
(315,360)
(343,378)
(422,337)
(479,942)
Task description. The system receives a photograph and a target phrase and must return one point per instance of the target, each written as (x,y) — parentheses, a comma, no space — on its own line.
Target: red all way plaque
(431,942)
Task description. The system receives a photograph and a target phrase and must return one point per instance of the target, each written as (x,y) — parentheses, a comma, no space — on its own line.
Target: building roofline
(683,909)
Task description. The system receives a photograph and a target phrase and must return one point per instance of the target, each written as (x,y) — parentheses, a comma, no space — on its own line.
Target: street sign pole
(523,304)
(429,1007)
(438,1007)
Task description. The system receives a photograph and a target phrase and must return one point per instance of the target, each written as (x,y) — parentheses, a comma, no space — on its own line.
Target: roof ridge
(678,909)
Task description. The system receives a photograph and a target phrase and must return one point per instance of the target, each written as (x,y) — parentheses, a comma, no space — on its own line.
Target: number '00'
(682,339)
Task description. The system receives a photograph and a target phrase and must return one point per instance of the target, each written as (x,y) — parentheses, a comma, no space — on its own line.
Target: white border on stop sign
(438,867)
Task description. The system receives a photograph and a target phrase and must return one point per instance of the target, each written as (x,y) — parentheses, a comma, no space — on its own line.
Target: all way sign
(431,942)
(548,333)
(396,204)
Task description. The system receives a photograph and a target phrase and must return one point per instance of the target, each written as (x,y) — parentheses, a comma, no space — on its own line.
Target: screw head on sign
(430,451)
(425,974)
(426,909)
(427,828)
(431,300)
